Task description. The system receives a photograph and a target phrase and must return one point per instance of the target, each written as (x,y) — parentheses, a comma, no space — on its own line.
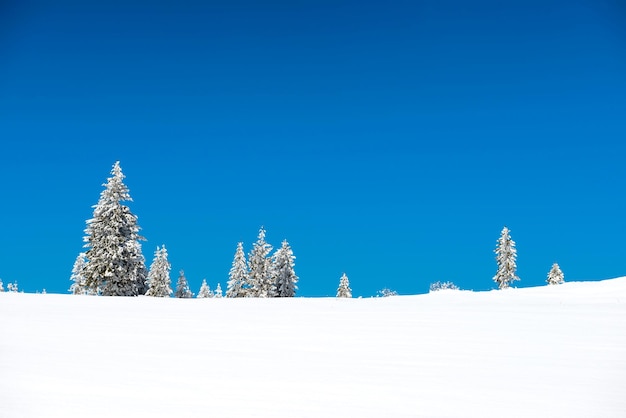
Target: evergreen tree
(205,290)
(78,286)
(260,276)
(115,265)
(1,286)
(218,291)
(555,276)
(182,287)
(344,290)
(12,287)
(284,277)
(505,257)
(237,286)
(159,280)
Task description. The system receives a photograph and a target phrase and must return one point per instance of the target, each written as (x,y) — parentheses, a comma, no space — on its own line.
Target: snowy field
(557,351)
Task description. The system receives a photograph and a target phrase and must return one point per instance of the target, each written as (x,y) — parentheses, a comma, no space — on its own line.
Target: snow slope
(533,352)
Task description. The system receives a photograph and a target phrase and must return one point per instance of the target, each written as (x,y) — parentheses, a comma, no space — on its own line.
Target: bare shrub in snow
(442,286)
(383,293)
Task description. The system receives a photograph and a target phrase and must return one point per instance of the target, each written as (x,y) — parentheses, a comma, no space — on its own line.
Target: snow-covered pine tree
(344,290)
(78,286)
(1,286)
(115,265)
(505,257)
(284,277)
(12,287)
(159,280)
(182,287)
(218,291)
(555,276)
(205,290)
(237,286)
(260,276)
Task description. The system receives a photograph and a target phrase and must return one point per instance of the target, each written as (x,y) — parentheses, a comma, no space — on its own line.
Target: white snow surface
(551,351)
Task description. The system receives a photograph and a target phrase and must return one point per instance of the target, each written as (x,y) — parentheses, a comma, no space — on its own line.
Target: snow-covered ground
(552,351)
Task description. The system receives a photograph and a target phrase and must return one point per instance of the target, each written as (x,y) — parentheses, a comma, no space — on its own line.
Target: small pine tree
(344,290)
(1,286)
(115,265)
(78,286)
(284,277)
(260,276)
(159,281)
(205,290)
(218,291)
(238,276)
(505,257)
(555,276)
(12,287)
(182,287)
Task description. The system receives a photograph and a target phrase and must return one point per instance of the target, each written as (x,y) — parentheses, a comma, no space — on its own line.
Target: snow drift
(534,352)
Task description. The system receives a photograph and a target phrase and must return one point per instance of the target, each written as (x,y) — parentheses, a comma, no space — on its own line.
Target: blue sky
(391,141)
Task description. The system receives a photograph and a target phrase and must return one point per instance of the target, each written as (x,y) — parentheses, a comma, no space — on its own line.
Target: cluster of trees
(506,255)
(506,258)
(11,287)
(113,264)
(206,292)
(262,275)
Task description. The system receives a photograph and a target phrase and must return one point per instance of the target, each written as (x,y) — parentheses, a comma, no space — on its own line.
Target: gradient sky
(391,141)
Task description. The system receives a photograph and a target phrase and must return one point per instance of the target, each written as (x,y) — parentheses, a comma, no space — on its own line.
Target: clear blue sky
(388,140)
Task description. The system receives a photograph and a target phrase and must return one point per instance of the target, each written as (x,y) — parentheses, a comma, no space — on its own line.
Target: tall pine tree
(237,286)
(344,291)
(284,277)
(259,272)
(555,276)
(115,265)
(182,287)
(159,280)
(505,257)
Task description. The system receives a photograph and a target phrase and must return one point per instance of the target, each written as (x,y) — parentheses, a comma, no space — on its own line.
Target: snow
(533,352)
